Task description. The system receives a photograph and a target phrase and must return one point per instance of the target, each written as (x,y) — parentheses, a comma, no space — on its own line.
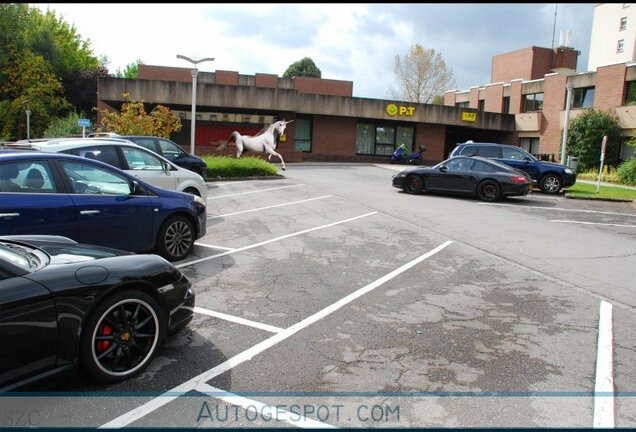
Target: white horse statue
(264,141)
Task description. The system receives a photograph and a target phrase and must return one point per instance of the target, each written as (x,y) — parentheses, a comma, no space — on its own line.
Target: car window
(458,164)
(469,150)
(148,143)
(27,177)
(482,167)
(93,180)
(169,148)
(141,160)
(106,154)
(489,151)
(512,154)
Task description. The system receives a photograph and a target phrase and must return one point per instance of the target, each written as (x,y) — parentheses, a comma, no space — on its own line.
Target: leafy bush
(225,166)
(63,127)
(627,172)
(585,136)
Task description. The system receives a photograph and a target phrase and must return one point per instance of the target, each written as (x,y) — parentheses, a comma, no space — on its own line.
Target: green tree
(421,76)
(29,83)
(64,126)
(585,136)
(303,68)
(133,120)
(131,71)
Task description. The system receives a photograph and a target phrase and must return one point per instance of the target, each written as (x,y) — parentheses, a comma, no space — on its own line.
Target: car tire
(122,336)
(489,191)
(413,184)
(551,184)
(176,238)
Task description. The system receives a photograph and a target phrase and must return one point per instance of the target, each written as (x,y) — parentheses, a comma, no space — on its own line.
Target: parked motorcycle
(401,155)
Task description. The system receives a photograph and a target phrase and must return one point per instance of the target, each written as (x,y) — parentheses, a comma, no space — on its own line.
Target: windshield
(22,256)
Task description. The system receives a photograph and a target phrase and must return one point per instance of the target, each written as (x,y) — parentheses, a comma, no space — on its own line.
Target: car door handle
(89,212)
(9,214)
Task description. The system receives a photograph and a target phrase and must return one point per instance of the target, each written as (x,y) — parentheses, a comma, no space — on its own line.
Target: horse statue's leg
(239,147)
(272,152)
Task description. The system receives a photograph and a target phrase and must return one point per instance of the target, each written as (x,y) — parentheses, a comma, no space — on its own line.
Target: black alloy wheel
(122,336)
(489,191)
(413,184)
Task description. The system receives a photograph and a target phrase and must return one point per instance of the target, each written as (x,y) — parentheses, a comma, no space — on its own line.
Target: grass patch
(248,166)
(586,190)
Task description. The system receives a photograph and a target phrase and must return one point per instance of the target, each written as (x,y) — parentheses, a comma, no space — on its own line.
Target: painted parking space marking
(237,320)
(559,209)
(592,223)
(251,192)
(196,382)
(604,380)
(213,246)
(268,207)
(272,240)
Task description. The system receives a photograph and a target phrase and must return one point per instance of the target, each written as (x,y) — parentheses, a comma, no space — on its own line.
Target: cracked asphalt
(497,329)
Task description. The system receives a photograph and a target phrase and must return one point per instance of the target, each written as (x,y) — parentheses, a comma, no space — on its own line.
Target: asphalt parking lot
(330,298)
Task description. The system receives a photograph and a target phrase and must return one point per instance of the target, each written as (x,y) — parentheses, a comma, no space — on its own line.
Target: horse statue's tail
(233,136)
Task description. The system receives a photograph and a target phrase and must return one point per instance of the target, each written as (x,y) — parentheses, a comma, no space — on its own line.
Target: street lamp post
(195,73)
(28,116)
(566,122)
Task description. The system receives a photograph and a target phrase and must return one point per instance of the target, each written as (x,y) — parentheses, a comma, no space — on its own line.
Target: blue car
(550,177)
(94,203)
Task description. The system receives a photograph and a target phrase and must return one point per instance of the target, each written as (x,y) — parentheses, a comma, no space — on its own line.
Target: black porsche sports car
(65,305)
(489,180)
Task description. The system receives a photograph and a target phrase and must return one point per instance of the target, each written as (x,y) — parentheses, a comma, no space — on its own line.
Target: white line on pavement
(274,412)
(196,382)
(592,223)
(251,192)
(213,247)
(272,240)
(604,382)
(524,207)
(269,207)
(237,320)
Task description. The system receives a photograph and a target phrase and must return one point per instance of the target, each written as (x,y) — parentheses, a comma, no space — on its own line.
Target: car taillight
(518,179)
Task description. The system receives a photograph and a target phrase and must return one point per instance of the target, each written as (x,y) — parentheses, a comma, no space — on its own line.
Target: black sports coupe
(65,306)
(485,178)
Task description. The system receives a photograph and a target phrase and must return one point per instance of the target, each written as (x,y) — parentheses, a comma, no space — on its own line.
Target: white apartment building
(613,38)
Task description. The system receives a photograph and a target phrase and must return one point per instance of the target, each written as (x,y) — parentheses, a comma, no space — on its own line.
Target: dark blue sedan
(95,203)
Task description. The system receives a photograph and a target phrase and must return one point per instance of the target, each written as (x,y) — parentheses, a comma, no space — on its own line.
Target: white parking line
(274,412)
(251,192)
(272,240)
(236,319)
(268,207)
(592,223)
(201,379)
(213,247)
(557,209)
(604,383)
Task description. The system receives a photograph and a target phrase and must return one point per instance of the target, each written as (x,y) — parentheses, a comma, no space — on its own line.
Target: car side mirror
(166,168)
(180,155)
(527,159)
(135,188)
(443,168)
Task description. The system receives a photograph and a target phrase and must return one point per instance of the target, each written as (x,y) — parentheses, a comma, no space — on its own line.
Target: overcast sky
(353,42)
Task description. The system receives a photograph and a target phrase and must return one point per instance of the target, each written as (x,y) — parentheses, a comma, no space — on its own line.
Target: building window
(623,25)
(302,139)
(481,104)
(382,139)
(462,105)
(630,93)
(620,45)
(533,102)
(583,97)
(531,145)
(506,105)
(627,152)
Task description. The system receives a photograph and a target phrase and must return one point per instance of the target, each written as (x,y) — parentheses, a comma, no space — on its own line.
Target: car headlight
(568,171)
(199,200)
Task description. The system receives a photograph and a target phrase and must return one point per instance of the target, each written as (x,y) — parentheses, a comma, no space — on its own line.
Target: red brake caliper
(103,345)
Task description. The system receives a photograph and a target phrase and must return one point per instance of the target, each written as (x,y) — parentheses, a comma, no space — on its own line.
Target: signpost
(600,171)
(84,123)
